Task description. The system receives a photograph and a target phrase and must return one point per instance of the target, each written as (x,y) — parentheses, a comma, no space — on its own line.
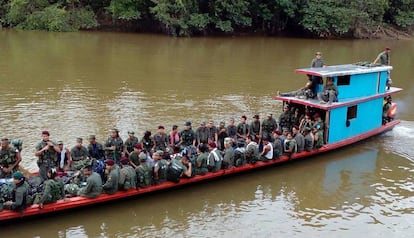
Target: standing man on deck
(46,152)
(9,159)
(384,59)
(317,62)
(114,146)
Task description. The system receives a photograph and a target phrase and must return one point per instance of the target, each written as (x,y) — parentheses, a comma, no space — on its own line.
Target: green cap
(131,133)
(79,139)
(59,142)
(92,137)
(18,175)
(159,152)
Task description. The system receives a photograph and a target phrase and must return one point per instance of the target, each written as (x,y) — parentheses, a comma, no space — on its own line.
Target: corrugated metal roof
(344,69)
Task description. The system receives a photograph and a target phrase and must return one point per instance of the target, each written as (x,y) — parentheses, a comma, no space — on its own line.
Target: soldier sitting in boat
(299,138)
(252,150)
(93,185)
(240,153)
(161,139)
(127,175)
(134,155)
(308,139)
(277,144)
(130,142)
(143,171)
(160,167)
(201,162)
(303,93)
(232,131)
(95,149)
(330,92)
(228,154)
(243,129)
(267,153)
(114,146)
(148,142)
(63,159)
(290,145)
(53,189)
(78,153)
(19,194)
(268,126)
(187,136)
(112,179)
(9,159)
(202,133)
(214,159)
(318,136)
(285,118)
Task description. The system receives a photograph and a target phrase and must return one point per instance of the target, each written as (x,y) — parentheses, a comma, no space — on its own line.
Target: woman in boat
(148,142)
(53,189)
(305,122)
(290,144)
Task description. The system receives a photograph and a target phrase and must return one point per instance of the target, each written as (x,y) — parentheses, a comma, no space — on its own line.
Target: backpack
(240,156)
(144,176)
(174,171)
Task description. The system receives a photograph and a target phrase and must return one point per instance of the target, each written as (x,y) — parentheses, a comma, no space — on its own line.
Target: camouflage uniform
(127,177)
(268,126)
(228,158)
(144,175)
(112,181)
(252,152)
(284,120)
(46,160)
(162,165)
(119,146)
(130,143)
(53,190)
(93,186)
(8,156)
(78,154)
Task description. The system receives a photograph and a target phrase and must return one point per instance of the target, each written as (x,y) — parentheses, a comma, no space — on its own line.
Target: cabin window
(344,80)
(352,112)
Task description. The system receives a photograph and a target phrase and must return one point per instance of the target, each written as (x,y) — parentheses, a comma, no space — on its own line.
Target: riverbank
(309,19)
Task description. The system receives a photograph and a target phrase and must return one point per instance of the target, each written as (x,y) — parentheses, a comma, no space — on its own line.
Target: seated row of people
(141,169)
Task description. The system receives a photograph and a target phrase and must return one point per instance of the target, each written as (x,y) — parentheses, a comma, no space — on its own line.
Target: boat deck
(350,101)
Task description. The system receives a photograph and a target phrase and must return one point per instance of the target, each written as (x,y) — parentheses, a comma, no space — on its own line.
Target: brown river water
(76,84)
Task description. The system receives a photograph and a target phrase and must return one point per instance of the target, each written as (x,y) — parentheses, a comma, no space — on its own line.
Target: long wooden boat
(362,88)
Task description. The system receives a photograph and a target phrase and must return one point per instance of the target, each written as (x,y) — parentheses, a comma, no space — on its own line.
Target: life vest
(393,110)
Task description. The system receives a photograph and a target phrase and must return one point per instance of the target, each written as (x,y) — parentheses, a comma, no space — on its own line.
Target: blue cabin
(361,93)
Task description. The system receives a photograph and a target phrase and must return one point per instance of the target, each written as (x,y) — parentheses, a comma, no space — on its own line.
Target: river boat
(356,116)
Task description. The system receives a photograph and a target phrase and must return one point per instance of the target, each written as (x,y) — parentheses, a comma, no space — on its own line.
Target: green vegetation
(317,18)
